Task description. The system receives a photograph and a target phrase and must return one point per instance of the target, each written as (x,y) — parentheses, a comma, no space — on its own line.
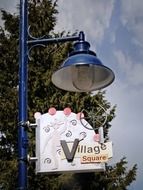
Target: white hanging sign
(63,144)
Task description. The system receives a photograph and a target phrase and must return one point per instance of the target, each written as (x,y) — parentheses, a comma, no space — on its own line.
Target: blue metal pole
(22,132)
(23,77)
(46,41)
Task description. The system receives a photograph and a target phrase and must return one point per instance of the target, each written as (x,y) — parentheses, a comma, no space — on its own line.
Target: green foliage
(8,86)
(120,176)
(42,17)
(42,95)
(117,177)
(8,173)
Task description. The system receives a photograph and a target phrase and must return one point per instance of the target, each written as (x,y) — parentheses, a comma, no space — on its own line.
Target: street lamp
(81,72)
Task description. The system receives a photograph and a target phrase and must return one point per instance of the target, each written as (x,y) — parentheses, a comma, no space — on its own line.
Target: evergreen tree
(42,95)
(115,177)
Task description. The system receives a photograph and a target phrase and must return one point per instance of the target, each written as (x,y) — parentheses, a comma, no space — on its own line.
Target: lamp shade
(82,71)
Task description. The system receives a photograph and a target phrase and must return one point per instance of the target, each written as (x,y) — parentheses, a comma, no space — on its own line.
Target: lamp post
(89,74)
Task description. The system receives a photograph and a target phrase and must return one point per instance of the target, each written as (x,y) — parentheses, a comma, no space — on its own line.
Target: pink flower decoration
(67,111)
(80,115)
(96,137)
(52,111)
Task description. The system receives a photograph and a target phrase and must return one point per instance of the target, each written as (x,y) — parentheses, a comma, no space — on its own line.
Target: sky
(115,31)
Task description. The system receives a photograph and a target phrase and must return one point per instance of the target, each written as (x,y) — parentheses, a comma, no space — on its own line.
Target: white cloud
(132,16)
(126,130)
(9,5)
(91,16)
(133,71)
